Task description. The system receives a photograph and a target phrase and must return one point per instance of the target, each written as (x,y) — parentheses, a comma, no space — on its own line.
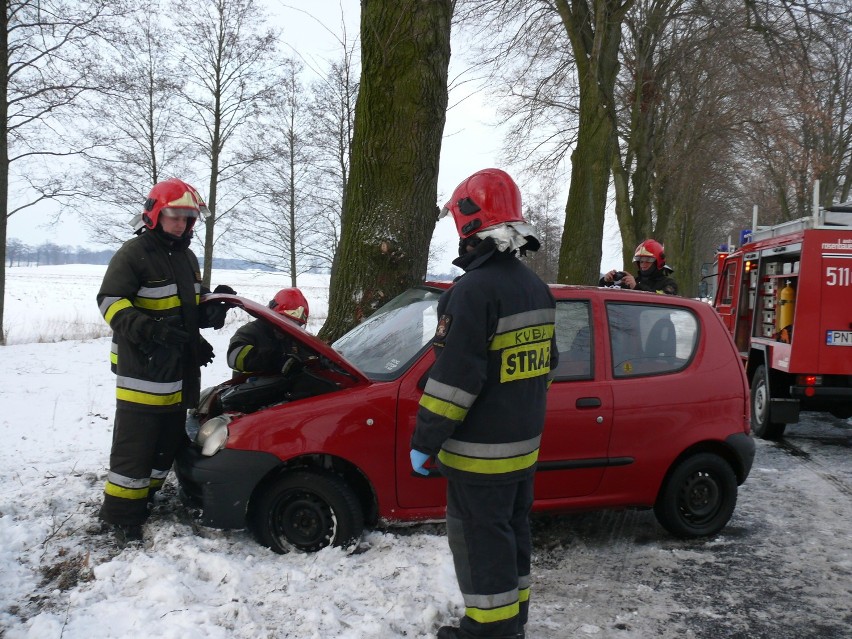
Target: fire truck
(786,296)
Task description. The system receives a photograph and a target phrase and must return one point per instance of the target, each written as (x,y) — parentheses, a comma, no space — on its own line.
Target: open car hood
(307,341)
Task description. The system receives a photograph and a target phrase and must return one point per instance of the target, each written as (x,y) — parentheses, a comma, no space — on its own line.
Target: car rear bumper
(222,484)
(743,446)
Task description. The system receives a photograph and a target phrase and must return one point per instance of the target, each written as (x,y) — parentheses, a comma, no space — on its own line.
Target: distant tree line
(20,254)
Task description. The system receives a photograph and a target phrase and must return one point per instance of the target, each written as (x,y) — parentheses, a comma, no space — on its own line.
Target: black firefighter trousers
(144,445)
(489,535)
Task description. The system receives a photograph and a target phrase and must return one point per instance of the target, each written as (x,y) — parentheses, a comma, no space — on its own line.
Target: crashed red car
(649,409)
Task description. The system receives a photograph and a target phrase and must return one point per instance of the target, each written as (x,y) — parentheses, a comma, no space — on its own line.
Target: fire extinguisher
(786,309)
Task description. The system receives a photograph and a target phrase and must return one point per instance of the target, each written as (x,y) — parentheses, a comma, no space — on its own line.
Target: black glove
(168,332)
(215,311)
(224,288)
(205,352)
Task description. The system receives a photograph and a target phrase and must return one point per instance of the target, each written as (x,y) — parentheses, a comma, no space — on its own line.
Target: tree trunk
(594,28)
(389,204)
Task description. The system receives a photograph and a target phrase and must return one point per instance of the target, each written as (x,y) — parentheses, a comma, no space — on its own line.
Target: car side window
(650,339)
(574,340)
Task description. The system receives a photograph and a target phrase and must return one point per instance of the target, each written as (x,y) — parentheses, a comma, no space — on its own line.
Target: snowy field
(782,569)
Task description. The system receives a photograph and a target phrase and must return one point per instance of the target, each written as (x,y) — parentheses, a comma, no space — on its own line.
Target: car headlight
(213,435)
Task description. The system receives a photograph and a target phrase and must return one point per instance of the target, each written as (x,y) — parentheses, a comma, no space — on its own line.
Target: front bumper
(222,484)
(744,447)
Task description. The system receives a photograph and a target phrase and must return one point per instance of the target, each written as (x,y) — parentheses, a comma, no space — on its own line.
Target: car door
(575,441)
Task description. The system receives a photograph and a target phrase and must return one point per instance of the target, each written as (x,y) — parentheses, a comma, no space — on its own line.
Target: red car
(649,409)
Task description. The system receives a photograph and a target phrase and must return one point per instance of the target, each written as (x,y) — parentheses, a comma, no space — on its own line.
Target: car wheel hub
(304,520)
(700,497)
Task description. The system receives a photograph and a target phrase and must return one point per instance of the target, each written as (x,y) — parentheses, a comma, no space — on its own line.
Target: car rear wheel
(307,510)
(698,498)
(760,424)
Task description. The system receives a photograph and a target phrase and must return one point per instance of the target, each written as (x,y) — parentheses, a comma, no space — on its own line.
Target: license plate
(838,338)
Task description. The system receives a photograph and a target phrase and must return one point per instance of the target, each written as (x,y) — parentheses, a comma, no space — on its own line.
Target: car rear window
(650,339)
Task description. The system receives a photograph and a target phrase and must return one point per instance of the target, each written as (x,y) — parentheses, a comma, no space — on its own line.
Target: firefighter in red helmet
(653,272)
(150,298)
(258,348)
(482,411)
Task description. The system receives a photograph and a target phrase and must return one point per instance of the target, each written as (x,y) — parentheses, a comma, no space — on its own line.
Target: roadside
(781,569)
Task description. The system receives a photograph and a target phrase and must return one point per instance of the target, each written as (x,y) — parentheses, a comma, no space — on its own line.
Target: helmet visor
(173,212)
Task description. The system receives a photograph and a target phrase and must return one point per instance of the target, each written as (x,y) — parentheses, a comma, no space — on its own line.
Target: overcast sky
(471,140)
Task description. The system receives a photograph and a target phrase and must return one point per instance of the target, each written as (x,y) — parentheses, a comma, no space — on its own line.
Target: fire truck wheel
(698,498)
(760,424)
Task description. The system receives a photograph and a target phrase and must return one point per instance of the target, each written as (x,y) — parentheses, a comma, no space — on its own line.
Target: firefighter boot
(125,534)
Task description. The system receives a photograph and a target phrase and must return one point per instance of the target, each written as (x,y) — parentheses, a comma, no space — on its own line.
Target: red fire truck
(786,297)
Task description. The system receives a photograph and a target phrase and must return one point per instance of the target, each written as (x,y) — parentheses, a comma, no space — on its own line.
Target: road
(781,569)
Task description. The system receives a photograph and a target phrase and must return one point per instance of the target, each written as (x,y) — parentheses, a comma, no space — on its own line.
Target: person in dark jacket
(653,274)
(483,407)
(257,347)
(150,298)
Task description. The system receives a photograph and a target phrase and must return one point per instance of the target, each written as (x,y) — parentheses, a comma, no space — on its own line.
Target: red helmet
(485,199)
(291,302)
(177,198)
(651,248)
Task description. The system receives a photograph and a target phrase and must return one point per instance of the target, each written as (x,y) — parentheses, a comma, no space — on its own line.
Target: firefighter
(482,411)
(150,298)
(257,347)
(653,272)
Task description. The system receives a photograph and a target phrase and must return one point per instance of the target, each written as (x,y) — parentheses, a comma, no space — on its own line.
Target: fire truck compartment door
(835,318)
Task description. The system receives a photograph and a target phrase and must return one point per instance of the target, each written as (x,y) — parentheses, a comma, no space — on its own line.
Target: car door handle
(588,402)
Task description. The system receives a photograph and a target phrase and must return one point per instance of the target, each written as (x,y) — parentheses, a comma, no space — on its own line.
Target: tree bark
(389,205)
(594,28)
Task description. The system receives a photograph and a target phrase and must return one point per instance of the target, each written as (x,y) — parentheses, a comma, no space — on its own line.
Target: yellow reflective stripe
(442,408)
(494,614)
(524,362)
(163,304)
(125,493)
(156,483)
(113,358)
(524,594)
(244,351)
(487,466)
(115,307)
(138,397)
(197,299)
(540,333)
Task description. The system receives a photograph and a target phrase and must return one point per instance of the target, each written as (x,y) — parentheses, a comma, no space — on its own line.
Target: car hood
(306,340)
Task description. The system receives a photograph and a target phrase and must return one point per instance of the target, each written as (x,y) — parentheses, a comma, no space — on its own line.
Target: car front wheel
(307,510)
(698,498)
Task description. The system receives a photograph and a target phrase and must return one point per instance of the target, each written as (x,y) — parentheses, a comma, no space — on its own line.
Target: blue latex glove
(417,461)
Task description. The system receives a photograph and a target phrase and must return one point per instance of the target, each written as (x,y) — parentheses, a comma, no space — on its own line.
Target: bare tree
(134,122)
(274,233)
(44,68)
(332,111)
(389,207)
(229,60)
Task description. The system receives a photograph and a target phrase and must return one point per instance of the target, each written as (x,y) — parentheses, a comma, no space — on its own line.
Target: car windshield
(385,344)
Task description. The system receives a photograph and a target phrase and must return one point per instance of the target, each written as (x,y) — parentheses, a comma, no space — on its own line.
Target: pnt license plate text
(838,338)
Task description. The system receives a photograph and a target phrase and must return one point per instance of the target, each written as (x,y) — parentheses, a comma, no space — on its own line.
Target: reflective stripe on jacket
(148,279)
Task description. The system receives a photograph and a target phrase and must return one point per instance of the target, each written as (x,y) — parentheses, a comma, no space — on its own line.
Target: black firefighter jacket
(483,407)
(257,347)
(152,278)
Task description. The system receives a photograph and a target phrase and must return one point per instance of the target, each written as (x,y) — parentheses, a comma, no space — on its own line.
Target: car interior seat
(661,341)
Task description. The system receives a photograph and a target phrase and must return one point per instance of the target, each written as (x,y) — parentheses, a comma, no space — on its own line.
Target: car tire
(698,497)
(307,510)
(760,424)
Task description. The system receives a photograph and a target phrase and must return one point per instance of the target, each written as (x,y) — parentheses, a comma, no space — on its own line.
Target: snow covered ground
(782,569)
